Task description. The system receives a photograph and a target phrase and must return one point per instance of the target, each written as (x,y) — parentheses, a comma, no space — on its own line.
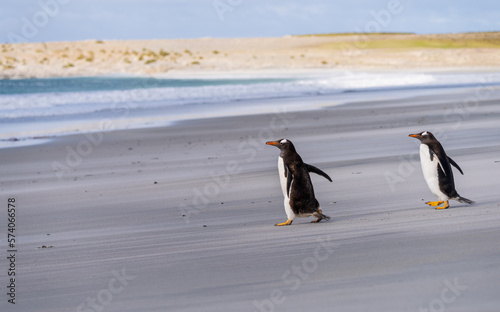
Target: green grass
(416,43)
(433,44)
(411,40)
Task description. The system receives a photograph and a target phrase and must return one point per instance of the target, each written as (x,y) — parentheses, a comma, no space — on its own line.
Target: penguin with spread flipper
(436,166)
(296,185)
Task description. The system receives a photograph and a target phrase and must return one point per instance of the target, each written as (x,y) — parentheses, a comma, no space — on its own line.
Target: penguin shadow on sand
(438,174)
(296,185)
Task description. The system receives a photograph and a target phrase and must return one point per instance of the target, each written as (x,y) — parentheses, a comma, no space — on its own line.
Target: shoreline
(274,73)
(240,108)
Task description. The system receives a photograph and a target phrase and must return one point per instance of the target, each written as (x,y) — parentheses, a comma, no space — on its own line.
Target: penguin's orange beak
(414,135)
(271,143)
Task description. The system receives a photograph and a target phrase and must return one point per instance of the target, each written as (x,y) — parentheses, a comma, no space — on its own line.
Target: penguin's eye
(424,133)
(283,141)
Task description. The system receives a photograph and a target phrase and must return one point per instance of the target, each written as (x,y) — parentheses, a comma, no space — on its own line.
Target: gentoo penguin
(437,171)
(296,184)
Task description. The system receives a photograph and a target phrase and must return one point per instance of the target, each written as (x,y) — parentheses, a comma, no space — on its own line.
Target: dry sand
(174,57)
(117,239)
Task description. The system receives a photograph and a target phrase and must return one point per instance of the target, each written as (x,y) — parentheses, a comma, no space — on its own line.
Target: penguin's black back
(302,198)
(446,180)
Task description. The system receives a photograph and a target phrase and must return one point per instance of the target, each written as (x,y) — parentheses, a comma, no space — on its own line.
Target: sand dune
(171,57)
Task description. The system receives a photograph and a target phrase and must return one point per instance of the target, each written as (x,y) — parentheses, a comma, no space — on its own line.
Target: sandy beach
(181,218)
(171,58)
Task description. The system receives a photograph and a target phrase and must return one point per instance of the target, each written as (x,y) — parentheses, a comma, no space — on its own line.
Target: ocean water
(55,106)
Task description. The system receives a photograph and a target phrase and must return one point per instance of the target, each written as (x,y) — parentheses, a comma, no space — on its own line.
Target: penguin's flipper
(440,161)
(456,165)
(289,178)
(311,168)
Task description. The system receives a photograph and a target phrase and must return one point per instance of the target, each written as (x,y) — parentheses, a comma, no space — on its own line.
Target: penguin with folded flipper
(436,166)
(296,185)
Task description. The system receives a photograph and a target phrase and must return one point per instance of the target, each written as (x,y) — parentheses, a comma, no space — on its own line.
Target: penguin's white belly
(286,202)
(430,171)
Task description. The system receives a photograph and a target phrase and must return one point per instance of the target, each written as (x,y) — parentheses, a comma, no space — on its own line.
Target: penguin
(436,166)
(296,185)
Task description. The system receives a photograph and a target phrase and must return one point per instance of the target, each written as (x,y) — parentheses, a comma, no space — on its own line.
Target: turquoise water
(55,106)
(87,84)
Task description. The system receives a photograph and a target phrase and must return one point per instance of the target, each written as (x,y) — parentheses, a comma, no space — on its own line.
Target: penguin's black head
(425,137)
(283,144)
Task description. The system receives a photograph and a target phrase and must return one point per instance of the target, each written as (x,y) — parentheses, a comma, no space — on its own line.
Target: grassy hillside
(412,41)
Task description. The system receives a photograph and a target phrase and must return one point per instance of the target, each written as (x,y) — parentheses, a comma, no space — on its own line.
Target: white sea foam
(70,103)
(194,99)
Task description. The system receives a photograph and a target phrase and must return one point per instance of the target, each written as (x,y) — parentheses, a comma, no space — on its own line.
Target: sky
(72,20)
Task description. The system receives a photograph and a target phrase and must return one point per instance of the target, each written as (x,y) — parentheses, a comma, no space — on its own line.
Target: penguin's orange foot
(434,203)
(446,205)
(288,222)
(437,203)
